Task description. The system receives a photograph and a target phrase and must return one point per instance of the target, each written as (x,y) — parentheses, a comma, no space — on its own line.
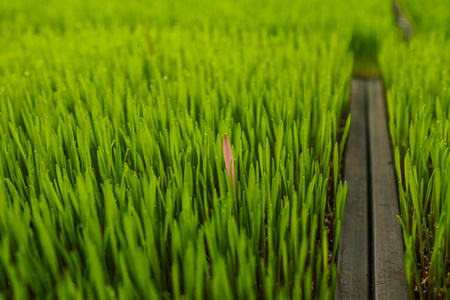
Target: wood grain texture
(353,258)
(389,281)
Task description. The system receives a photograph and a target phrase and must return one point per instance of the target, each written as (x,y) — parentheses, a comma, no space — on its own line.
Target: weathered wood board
(353,257)
(388,250)
(371,250)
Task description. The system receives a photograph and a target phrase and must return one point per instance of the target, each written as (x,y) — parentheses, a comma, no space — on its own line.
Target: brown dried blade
(229,160)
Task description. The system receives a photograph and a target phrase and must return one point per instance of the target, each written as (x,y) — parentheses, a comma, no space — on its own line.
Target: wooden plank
(389,281)
(353,258)
(402,22)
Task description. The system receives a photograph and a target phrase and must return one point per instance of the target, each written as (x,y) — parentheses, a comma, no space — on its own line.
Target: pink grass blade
(229,160)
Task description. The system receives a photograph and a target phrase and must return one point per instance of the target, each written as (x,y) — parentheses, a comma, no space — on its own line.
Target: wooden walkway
(371,250)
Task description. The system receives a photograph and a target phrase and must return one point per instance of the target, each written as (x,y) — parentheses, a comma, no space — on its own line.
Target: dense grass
(373,22)
(428,17)
(417,78)
(113,183)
